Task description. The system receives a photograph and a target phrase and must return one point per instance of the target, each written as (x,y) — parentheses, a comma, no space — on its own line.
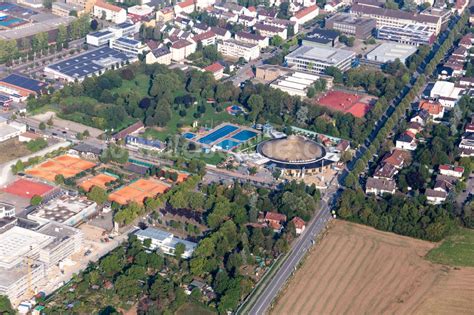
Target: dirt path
(358,270)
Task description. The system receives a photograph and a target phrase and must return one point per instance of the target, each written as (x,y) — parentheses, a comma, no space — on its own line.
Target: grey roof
(380,184)
(322,36)
(398,14)
(155,234)
(87,148)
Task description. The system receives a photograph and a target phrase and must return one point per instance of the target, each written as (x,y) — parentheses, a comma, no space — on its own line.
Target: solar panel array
(89,63)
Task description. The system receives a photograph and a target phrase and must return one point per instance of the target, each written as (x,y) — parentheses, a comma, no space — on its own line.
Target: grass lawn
(455,250)
(139,84)
(193,309)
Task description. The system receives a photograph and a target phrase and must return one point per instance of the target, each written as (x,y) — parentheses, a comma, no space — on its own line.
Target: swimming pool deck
(227,136)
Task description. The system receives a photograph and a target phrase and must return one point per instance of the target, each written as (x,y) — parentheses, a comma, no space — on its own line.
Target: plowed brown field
(359,270)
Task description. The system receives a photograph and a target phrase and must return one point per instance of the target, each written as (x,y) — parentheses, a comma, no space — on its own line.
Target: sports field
(66,165)
(138,191)
(100,180)
(26,188)
(359,270)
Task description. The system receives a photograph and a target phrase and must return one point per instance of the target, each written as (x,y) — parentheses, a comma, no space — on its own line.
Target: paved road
(298,251)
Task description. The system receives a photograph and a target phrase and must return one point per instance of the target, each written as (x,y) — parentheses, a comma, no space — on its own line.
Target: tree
(335,73)
(391,4)
(42,126)
(409,5)
(179,250)
(98,195)
(276,41)
(94,25)
(62,37)
(59,179)
(36,200)
(5,306)
(255,103)
(311,92)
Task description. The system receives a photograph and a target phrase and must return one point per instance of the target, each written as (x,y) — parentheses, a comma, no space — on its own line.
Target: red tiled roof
(275,216)
(252,9)
(203,36)
(181,43)
(108,6)
(215,67)
(305,11)
(298,222)
(186,3)
(432,108)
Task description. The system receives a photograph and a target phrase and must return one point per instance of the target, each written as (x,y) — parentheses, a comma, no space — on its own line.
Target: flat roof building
(91,63)
(295,83)
(390,52)
(351,25)
(236,49)
(128,46)
(397,18)
(409,34)
(100,38)
(21,86)
(68,210)
(317,59)
(321,37)
(165,242)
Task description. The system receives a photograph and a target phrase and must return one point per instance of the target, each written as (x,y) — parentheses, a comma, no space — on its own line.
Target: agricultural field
(358,270)
(455,250)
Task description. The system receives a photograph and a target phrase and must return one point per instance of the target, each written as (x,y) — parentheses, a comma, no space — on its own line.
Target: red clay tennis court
(344,102)
(65,165)
(138,191)
(100,180)
(26,188)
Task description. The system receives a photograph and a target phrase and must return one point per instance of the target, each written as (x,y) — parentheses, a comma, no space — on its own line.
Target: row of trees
(40,43)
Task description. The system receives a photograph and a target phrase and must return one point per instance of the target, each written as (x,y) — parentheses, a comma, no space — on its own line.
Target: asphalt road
(300,247)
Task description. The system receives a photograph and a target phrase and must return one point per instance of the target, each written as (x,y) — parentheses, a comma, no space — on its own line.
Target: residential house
(161,55)
(236,49)
(451,170)
(380,186)
(421,117)
(446,93)
(406,141)
(385,170)
(435,197)
(216,69)
(414,127)
(334,5)
(182,49)
(183,23)
(281,23)
(185,7)
(200,28)
(247,21)
(165,15)
(467,82)
(397,158)
(206,38)
(271,31)
(299,224)
(467,41)
(251,38)
(275,220)
(469,127)
(264,13)
(109,12)
(305,15)
(434,109)
(466,145)
(221,33)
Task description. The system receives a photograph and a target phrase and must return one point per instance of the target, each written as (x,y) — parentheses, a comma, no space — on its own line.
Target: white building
(185,7)
(100,38)
(6,210)
(305,15)
(246,37)
(271,31)
(67,210)
(182,49)
(160,55)
(317,59)
(109,12)
(390,52)
(165,242)
(10,129)
(406,141)
(295,83)
(446,93)
(451,170)
(235,49)
(129,46)
(435,197)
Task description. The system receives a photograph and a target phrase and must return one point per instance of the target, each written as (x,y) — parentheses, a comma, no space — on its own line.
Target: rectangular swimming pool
(217,134)
(228,144)
(244,135)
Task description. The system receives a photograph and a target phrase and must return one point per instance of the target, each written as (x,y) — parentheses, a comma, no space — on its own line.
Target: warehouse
(20,87)
(91,63)
(317,59)
(296,83)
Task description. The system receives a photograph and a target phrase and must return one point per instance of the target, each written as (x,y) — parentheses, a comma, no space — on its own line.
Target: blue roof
(128,41)
(100,33)
(88,63)
(24,82)
(151,143)
(125,25)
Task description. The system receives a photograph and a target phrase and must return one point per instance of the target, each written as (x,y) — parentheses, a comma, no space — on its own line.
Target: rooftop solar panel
(24,82)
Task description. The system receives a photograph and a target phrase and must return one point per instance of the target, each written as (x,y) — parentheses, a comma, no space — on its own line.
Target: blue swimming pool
(217,134)
(228,144)
(244,135)
(189,135)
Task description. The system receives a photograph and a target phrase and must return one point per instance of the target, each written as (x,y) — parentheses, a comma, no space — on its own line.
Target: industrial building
(91,63)
(409,34)
(10,129)
(100,38)
(165,242)
(26,255)
(446,93)
(68,210)
(350,25)
(235,49)
(390,52)
(295,83)
(20,87)
(317,59)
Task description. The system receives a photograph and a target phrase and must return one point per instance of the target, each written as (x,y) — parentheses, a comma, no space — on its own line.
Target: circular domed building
(295,155)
